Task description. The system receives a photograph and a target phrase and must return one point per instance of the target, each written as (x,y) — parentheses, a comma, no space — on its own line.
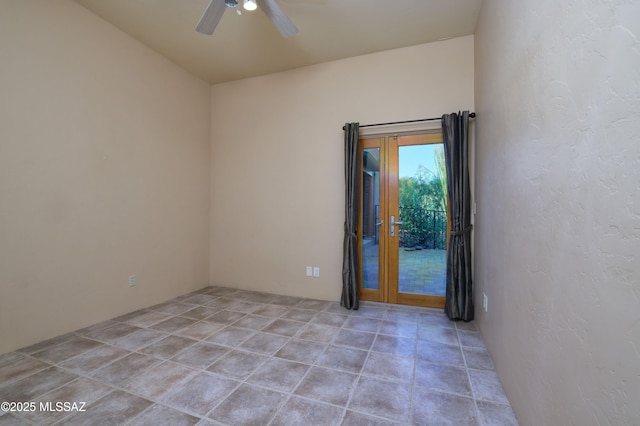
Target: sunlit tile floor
(223,356)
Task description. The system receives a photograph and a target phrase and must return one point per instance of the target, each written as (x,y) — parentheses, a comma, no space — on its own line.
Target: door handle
(393,225)
(380,223)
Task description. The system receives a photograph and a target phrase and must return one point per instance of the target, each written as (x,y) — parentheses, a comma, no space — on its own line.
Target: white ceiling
(248,45)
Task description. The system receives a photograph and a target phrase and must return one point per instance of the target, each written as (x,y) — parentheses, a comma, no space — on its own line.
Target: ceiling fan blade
(211,17)
(280,20)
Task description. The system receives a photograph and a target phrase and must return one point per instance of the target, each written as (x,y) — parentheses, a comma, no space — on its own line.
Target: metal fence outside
(423,229)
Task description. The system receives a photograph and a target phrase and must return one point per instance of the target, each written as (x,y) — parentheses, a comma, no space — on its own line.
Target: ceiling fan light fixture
(216,9)
(250,5)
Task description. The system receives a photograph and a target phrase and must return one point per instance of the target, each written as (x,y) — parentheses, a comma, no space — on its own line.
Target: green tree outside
(423,206)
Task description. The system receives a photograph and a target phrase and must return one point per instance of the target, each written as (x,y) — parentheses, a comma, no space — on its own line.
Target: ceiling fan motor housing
(216,8)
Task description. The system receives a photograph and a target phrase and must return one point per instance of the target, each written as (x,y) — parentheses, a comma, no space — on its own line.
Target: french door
(403,227)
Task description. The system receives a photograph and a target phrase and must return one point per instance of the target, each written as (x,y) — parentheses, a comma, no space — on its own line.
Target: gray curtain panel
(459,295)
(350,299)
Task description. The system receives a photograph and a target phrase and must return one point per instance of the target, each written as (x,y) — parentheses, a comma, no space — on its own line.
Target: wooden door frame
(380,294)
(394,295)
(388,259)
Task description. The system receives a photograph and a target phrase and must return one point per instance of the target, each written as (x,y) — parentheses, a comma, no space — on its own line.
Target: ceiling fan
(216,8)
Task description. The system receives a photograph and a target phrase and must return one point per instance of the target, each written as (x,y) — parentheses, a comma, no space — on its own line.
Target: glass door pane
(422,211)
(370,219)
(372,206)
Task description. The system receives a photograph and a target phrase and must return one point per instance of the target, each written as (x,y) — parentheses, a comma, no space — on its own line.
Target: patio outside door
(403,229)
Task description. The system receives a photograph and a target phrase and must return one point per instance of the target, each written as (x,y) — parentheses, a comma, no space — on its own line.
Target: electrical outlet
(485,302)
(132,280)
(309,271)
(316,271)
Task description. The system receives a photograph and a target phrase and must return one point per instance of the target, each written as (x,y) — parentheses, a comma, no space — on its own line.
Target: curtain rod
(471,115)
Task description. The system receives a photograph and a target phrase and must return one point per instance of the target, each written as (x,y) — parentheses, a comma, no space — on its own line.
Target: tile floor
(223,356)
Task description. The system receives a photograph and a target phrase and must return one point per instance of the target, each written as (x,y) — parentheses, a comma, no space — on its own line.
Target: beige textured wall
(104,172)
(277,183)
(558,220)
